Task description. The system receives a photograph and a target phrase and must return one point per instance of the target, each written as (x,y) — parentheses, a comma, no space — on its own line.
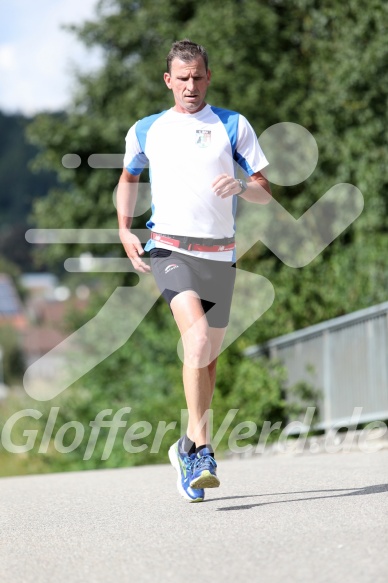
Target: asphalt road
(277,518)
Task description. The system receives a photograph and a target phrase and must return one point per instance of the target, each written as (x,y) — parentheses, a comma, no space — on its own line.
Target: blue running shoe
(183,465)
(204,470)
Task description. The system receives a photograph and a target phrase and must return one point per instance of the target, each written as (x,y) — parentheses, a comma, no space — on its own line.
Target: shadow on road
(377,489)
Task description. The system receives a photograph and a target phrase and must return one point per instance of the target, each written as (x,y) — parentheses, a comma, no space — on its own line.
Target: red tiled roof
(39,340)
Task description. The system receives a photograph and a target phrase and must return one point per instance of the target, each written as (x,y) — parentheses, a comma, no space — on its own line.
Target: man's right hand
(134,249)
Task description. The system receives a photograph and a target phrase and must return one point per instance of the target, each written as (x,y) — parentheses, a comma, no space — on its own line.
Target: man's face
(189,82)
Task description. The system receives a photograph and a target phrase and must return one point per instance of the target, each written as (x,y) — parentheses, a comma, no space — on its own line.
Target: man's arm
(258,188)
(126,201)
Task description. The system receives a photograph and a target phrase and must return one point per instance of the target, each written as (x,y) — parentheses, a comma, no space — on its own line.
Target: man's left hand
(225,185)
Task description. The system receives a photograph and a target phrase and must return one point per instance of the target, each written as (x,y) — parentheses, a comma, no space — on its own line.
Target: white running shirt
(185,152)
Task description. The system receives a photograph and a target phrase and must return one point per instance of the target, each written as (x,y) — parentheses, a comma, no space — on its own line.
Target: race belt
(195,244)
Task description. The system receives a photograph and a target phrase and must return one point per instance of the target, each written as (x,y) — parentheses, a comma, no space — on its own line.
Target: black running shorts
(212,280)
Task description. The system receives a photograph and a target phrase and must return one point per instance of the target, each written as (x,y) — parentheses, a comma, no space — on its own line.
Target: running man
(192,150)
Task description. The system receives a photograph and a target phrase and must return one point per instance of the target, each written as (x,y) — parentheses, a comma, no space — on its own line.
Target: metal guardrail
(345,358)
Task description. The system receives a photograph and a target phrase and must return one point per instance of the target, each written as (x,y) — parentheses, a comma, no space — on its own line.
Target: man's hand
(258,188)
(224,185)
(134,249)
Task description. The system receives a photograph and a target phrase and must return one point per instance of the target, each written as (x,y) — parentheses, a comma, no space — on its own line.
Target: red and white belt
(195,244)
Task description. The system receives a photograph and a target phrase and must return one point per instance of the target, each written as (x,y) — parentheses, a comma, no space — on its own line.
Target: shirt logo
(171,267)
(203,138)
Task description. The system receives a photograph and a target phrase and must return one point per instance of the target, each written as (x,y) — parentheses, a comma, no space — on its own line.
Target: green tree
(19,187)
(320,64)
(12,363)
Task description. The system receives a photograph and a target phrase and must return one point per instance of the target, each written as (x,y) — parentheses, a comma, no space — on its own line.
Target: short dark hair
(186,51)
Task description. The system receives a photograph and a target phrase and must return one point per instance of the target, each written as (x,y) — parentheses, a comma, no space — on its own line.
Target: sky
(37,57)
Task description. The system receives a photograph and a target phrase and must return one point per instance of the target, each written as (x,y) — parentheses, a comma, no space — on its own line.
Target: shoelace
(204,461)
(190,462)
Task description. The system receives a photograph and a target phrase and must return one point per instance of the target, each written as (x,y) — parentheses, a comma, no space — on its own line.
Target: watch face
(243,186)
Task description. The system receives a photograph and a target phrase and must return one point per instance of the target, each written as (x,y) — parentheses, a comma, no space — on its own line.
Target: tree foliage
(19,187)
(319,64)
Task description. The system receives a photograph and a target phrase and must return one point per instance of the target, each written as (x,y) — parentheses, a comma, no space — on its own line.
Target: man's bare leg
(201,346)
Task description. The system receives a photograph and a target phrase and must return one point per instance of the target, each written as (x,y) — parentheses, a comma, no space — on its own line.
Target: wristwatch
(243,186)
